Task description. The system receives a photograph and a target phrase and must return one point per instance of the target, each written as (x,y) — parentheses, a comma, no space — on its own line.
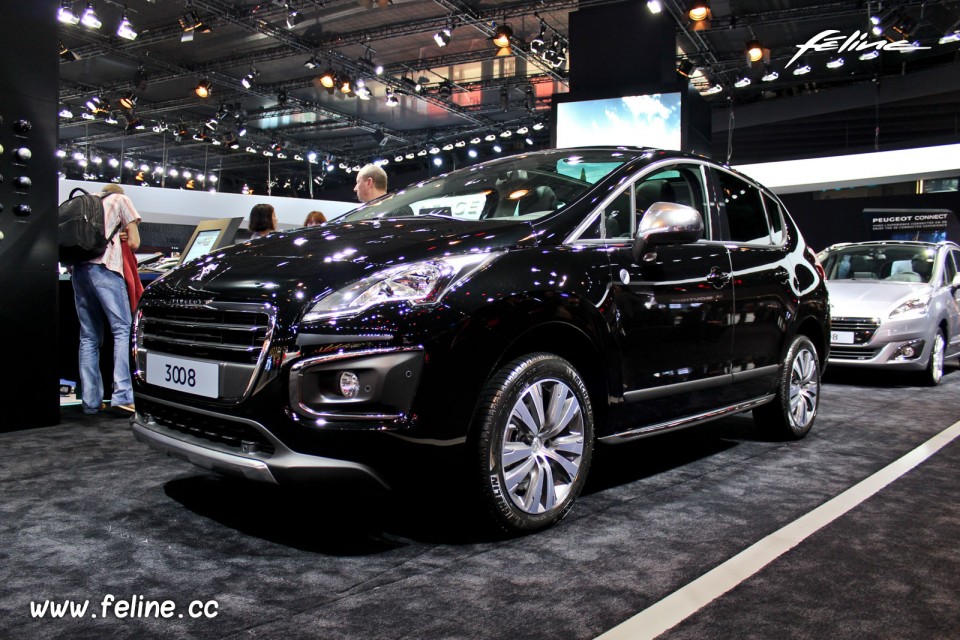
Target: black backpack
(81,227)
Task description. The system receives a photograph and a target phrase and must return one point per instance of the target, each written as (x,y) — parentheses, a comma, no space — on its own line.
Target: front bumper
(238,447)
(885,348)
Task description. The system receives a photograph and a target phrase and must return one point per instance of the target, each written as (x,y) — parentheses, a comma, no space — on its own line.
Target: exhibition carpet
(87,512)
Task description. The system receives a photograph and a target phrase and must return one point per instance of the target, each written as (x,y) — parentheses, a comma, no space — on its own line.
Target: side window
(952,260)
(682,184)
(746,217)
(775,215)
(614,219)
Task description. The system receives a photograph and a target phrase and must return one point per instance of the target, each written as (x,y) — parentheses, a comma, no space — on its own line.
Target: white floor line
(686,601)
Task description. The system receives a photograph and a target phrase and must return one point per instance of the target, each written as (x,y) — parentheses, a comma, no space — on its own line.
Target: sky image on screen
(651,120)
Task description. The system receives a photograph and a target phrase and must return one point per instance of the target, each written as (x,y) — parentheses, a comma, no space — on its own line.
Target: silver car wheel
(542,446)
(804,388)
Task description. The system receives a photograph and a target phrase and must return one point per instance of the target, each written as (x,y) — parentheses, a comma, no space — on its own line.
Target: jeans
(101,294)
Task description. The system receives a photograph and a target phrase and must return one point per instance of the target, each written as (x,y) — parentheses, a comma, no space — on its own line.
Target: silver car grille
(852,353)
(862,328)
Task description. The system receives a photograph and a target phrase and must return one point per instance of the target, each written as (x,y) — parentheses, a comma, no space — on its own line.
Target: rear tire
(535,442)
(794,409)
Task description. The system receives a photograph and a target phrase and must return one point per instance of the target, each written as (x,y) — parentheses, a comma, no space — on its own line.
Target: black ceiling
(894,100)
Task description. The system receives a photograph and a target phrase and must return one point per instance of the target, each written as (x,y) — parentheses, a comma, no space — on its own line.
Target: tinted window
(746,217)
(950,266)
(682,184)
(776,219)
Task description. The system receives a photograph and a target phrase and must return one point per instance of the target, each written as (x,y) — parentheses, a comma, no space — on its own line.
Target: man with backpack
(100,294)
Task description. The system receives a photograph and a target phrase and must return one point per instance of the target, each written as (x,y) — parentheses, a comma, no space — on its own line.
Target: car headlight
(417,283)
(914,307)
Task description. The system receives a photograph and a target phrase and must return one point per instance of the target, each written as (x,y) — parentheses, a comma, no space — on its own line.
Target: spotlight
(66,15)
(712,90)
(802,70)
(392,99)
(685,68)
(698,10)
(873,54)
(754,50)
(475,140)
(835,63)
(490,137)
(345,83)
(538,126)
(212,123)
(539,42)
(363,92)
(203,89)
(134,123)
(448,147)
(445,90)
(128,100)
(949,37)
(95,104)
(742,81)
(501,39)
(328,78)
(65,112)
(293,18)
(529,98)
(67,54)
(769,75)
(654,6)
(241,129)
(111,118)
(312,62)
(191,22)
(248,80)
(89,17)
(125,29)
(442,37)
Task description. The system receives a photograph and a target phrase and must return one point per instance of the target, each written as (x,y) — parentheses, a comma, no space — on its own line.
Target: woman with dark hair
(263,220)
(314,218)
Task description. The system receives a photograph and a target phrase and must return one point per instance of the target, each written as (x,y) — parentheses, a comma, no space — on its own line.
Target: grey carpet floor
(85,511)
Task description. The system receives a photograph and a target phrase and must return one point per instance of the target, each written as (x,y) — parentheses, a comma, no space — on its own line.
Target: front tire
(933,374)
(535,442)
(794,409)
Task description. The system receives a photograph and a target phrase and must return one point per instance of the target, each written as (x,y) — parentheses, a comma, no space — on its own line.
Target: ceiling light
(421,153)
(497,148)
(89,17)
(802,70)
(134,123)
(459,144)
(67,54)
(191,22)
(754,50)
(392,99)
(442,37)
(698,10)
(490,137)
(685,68)
(248,80)
(128,100)
(111,118)
(212,123)
(293,18)
(712,90)
(65,112)
(654,6)
(345,83)
(501,37)
(312,62)
(328,78)
(445,90)
(537,126)
(472,153)
(950,37)
(769,75)
(742,81)
(434,150)
(203,89)
(86,115)
(94,104)
(66,15)
(835,63)
(125,29)
(475,140)
(364,93)
(539,42)
(870,55)
(410,155)
(448,146)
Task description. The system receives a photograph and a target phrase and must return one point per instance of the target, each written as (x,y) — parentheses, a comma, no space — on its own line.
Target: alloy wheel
(804,388)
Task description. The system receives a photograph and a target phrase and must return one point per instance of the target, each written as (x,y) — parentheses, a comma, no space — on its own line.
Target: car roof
(876,243)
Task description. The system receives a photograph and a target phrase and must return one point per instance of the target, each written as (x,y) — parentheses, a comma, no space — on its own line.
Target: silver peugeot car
(895,304)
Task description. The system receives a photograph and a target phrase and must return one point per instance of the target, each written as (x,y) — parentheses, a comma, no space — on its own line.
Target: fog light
(349,384)
(907,352)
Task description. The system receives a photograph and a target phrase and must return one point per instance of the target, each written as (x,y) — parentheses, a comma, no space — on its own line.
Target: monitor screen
(651,120)
(202,243)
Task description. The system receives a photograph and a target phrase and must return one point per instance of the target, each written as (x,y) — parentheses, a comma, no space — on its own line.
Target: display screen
(651,120)
(202,244)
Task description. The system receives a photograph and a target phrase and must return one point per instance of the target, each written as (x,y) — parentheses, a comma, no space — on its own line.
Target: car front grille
(862,328)
(236,436)
(839,352)
(220,332)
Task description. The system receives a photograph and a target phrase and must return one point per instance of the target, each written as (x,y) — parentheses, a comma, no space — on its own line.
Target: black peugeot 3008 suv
(504,318)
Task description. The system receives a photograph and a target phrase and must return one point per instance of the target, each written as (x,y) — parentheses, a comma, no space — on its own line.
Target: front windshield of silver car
(881,262)
(524,187)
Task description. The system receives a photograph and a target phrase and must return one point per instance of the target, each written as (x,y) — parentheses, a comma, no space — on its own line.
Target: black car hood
(303,264)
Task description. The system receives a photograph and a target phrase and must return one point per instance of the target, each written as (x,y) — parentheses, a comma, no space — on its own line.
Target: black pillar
(29,395)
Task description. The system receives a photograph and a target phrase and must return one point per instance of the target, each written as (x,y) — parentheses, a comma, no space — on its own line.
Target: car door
(752,223)
(673,308)
(951,297)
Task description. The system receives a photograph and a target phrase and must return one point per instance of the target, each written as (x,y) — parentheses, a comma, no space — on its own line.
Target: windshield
(522,187)
(895,263)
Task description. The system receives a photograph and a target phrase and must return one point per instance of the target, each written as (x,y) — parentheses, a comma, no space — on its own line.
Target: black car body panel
(302,366)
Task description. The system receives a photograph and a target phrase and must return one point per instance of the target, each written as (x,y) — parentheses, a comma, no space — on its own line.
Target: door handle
(717,278)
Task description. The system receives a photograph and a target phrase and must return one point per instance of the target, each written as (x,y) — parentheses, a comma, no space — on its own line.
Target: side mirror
(667,223)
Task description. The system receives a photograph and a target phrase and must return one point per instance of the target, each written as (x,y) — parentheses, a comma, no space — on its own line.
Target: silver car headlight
(422,282)
(917,307)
